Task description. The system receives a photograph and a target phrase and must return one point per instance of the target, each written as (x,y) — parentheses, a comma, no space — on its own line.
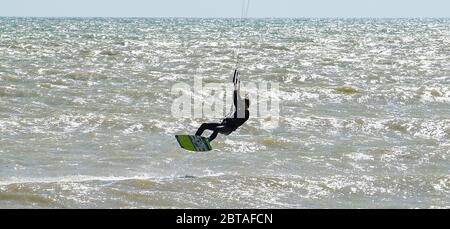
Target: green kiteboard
(194,143)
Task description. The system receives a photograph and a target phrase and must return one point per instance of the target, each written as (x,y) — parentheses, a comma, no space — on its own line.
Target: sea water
(86,122)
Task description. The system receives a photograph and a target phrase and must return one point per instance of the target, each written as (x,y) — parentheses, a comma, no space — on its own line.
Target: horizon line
(207,17)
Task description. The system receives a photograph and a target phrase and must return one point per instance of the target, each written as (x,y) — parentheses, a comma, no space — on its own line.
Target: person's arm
(235,77)
(236,94)
(237,88)
(235,98)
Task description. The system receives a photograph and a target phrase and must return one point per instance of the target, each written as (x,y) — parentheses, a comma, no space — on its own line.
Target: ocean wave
(413,127)
(347,89)
(29,198)
(109,53)
(242,191)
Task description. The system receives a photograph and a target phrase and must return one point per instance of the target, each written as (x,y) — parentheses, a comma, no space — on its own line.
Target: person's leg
(213,135)
(206,126)
(220,129)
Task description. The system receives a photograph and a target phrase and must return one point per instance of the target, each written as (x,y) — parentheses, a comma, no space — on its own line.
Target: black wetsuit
(228,125)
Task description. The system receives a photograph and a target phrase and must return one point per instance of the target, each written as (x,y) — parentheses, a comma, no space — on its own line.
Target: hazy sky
(226,8)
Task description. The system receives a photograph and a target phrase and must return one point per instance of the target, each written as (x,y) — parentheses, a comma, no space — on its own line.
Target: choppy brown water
(85,114)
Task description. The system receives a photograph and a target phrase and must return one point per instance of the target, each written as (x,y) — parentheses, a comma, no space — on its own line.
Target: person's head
(247,103)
